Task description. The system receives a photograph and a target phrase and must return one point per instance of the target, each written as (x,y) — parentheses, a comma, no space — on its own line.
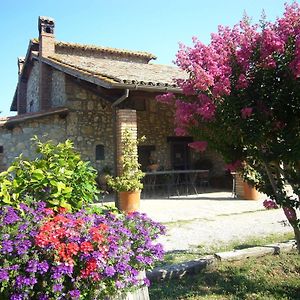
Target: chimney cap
(46,25)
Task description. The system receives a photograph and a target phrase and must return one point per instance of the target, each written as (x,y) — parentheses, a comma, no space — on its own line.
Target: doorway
(180,152)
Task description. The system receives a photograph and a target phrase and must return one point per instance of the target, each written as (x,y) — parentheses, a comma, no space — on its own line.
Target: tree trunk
(291,215)
(289,212)
(297,236)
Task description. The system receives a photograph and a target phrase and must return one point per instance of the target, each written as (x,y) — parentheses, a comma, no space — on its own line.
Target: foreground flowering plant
(59,255)
(241,98)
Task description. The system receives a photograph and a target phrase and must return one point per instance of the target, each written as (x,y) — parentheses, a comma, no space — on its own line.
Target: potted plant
(251,179)
(129,183)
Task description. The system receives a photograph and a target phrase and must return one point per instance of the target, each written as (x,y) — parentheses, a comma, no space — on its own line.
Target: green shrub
(131,177)
(57,176)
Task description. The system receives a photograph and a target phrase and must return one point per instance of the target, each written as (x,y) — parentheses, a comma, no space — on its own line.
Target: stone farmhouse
(89,94)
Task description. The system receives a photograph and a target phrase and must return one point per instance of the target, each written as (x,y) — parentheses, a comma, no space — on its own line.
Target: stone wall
(32,96)
(17,140)
(89,123)
(156,124)
(2,166)
(58,93)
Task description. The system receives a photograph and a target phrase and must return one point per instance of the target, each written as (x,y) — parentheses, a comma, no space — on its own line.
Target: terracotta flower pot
(250,192)
(129,201)
(153,167)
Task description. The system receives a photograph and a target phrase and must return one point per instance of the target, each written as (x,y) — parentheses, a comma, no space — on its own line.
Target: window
(180,152)
(1,149)
(99,152)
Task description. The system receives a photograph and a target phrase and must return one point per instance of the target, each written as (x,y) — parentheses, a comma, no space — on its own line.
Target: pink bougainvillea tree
(242,97)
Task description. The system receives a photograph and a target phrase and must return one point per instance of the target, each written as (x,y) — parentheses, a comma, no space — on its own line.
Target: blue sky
(155,26)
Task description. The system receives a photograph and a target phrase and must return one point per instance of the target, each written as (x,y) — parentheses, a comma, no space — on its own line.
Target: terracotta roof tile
(126,73)
(105,49)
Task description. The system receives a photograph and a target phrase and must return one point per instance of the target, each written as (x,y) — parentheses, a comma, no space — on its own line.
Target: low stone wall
(18,139)
(205,262)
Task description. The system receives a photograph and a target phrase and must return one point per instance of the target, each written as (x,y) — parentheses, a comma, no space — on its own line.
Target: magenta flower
(270,204)
(198,146)
(242,82)
(234,166)
(167,98)
(246,112)
(290,213)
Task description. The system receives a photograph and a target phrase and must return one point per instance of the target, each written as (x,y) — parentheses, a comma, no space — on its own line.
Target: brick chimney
(46,48)
(46,36)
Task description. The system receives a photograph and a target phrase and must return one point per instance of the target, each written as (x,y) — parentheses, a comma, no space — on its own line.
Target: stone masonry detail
(33,89)
(89,123)
(58,93)
(18,140)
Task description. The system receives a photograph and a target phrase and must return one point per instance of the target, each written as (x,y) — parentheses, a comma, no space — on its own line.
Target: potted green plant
(129,183)
(251,180)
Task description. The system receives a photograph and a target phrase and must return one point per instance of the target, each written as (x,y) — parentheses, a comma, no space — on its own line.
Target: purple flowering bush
(48,254)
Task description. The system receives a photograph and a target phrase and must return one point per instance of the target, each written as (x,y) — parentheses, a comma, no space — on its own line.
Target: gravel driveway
(212,218)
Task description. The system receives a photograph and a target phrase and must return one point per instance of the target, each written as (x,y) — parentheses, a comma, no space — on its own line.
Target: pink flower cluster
(246,112)
(230,63)
(210,67)
(234,166)
(167,98)
(199,146)
(270,204)
(290,213)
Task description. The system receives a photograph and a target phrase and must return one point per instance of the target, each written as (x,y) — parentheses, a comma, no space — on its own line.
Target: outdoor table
(175,179)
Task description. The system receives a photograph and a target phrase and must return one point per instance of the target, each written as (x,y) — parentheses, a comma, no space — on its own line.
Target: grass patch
(175,257)
(184,222)
(266,278)
(241,213)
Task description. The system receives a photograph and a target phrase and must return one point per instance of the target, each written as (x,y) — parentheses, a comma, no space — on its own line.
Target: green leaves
(38,175)
(57,176)
(130,180)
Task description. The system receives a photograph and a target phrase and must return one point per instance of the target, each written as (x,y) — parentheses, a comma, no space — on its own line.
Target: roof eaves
(10,121)
(32,43)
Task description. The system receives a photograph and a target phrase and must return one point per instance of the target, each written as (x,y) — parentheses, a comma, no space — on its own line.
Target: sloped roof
(121,73)
(108,67)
